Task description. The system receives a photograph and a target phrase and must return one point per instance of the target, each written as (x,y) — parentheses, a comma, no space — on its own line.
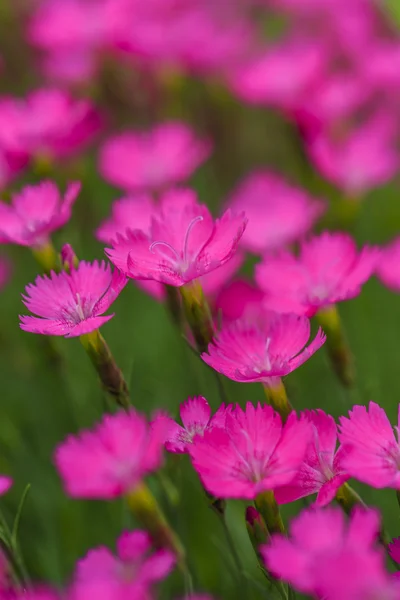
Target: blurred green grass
(41,401)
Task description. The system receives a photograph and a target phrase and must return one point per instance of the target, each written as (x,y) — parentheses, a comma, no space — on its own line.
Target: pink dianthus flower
(111,459)
(72,304)
(196,418)
(183,244)
(278,212)
(48,124)
(240,299)
(264,352)
(321,471)
(252,453)
(328,270)
(151,160)
(131,212)
(329,558)
(364,159)
(130,574)
(372,450)
(35,212)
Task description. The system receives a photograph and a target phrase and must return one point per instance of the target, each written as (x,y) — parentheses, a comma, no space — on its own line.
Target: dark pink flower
(196,419)
(321,471)
(372,450)
(394,551)
(329,269)
(151,160)
(184,242)
(130,574)
(35,212)
(252,453)
(72,304)
(329,558)
(111,459)
(388,269)
(278,212)
(263,352)
(240,300)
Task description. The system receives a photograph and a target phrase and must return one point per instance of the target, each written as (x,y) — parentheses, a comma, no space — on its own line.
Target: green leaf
(393,9)
(14,533)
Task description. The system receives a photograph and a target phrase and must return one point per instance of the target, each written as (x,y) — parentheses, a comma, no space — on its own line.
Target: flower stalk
(46,256)
(198,315)
(278,399)
(146,510)
(336,343)
(110,375)
(268,508)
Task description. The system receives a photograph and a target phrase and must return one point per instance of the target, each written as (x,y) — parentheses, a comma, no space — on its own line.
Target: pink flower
(111,459)
(39,593)
(240,299)
(184,242)
(5,484)
(131,212)
(252,453)
(372,451)
(48,123)
(151,160)
(321,472)
(130,574)
(71,304)
(332,559)
(366,158)
(263,352)
(281,74)
(35,212)
(388,269)
(328,269)
(278,212)
(196,418)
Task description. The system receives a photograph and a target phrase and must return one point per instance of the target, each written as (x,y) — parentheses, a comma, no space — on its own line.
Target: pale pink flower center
(250,465)
(180,260)
(79,311)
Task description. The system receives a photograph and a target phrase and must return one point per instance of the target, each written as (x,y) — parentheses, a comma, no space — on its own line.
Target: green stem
(336,344)
(277,398)
(198,315)
(107,369)
(47,257)
(268,508)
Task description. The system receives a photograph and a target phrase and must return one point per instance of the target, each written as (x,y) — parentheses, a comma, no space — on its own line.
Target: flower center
(179,260)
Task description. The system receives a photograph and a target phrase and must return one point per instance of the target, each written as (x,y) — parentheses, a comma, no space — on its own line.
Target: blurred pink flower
(151,160)
(184,242)
(321,471)
(196,418)
(372,450)
(240,299)
(281,74)
(35,212)
(388,269)
(252,453)
(364,159)
(382,68)
(5,484)
(328,269)
(131,212)
(130,574)
(38,593)
(329,558)
(48,123)
(71,304)
(278,212)
(264,352)
(111,459)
